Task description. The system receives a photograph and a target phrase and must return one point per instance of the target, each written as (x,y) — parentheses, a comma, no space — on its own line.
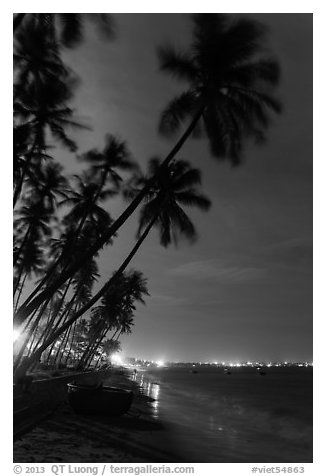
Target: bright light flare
(160,363)
(16,335)
(116,359)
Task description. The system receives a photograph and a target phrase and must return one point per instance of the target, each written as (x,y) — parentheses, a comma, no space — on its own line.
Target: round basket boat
(99,400)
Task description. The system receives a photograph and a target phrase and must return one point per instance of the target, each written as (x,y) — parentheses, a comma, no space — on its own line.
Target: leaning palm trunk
(59,353)
(27,163)
(56,314)
(30,333)
(71,343)
(30,336)
(37,354)
(22,246)
(20,291)
(90,350)
(65,252)
(97,344)
(26,309)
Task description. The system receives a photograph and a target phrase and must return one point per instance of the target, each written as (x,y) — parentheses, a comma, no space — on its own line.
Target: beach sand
(67,437)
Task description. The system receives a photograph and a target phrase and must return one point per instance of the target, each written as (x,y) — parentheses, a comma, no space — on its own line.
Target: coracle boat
(99,400)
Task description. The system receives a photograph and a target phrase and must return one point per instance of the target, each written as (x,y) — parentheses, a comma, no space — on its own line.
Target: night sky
(243,291)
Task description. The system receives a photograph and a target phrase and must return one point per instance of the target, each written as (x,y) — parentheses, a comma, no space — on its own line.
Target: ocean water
(243,417)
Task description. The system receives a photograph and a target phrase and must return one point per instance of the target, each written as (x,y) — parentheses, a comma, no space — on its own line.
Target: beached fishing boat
(91,399)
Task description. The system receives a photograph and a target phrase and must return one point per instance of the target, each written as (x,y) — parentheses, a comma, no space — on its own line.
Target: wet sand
(67,437)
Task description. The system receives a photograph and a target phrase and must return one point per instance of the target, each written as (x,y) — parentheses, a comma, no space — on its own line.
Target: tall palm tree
(44,111)
(105,167)
(229,84)
(229,94)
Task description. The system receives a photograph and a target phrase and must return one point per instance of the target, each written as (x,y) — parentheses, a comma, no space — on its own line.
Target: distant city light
(242,364)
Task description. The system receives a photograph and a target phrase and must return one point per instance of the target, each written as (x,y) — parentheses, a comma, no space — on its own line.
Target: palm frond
(177,111)
(178,64)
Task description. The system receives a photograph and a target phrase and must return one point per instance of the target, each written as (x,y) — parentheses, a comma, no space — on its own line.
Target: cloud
(217,270)
(296,253)
(169,300)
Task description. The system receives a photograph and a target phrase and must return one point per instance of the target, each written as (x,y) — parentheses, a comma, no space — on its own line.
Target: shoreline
(70,438)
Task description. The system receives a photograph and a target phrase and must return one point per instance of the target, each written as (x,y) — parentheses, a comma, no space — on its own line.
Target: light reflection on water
(218,419)
(150,389)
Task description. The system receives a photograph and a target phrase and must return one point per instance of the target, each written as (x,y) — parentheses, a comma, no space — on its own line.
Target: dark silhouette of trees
(67,29)
(228,98)
(177,186)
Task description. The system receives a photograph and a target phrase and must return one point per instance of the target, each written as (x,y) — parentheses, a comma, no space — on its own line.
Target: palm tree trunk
(97,296)
(67,249)
(22,245)
(26,309)
(50,323)
(29,334)
(97,344)
(19,186)
(71,343)
(21,290)
(88,352)
(58,356)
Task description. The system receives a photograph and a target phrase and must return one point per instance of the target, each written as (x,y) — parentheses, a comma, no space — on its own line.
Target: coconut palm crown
(230,83)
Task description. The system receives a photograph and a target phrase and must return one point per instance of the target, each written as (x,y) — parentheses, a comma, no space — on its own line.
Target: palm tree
(31,262)
(105,166)
(46,110)
(229,94)
(229,84)
(108,347)
(162,208)
(115,310)
(48,184)
(42,88)
(174,188)
(67,28)
(32,225)
(114,159)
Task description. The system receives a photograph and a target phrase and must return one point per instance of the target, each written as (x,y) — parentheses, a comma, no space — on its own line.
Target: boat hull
(92,400)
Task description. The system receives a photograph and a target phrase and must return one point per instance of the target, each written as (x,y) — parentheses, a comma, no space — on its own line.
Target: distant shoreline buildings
(152,363)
